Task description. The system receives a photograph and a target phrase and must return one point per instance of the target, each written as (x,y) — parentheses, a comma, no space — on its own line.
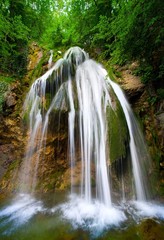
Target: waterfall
(50,59)
(93,98)
(81,87)
(138,151)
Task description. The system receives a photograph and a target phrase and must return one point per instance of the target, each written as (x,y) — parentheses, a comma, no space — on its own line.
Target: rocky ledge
(149,110)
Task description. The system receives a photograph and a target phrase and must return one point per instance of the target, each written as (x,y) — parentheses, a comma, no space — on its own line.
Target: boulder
(132,85)
(10,99)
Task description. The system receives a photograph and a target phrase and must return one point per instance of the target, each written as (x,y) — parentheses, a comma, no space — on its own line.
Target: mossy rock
(38,70)
(118,136)
(149,229)
(4,84)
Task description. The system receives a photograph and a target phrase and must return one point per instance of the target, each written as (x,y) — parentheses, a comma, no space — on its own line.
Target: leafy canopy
(122,30)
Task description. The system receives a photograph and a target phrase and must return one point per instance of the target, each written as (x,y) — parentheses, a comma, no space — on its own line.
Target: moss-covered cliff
(54,167)
(149,110)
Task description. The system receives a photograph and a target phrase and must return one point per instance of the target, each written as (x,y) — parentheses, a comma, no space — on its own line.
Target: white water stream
(139,154)
(50,59)
(93,98)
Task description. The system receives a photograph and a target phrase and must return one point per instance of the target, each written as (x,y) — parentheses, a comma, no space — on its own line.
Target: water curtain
(82,88)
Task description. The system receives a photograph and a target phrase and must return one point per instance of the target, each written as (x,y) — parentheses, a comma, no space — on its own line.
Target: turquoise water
(57,217)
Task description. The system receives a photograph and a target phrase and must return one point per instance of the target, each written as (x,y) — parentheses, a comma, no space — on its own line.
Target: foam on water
(148,209)
(20,211)
(94,216)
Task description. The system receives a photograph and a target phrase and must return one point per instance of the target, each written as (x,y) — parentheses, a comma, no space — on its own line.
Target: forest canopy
(122,31)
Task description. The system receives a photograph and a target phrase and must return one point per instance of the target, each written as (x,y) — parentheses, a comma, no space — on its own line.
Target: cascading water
(78,88)
(139,155)
(93,99)
(81,87)
(50,59)
(53,82)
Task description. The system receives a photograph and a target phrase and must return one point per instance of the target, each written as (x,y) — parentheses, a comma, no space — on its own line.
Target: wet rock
(12,145)
(13,134)
(149,109)
(160,118)
(151,230)
(11,99)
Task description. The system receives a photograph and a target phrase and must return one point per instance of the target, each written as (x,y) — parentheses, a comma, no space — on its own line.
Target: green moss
(26,117)
(14,165)
(113,73)
(6,79)
(50,181)
(7,183)
(150,229)
(48,100)
(117,132)
(38,70)
(56,56)
(126,234)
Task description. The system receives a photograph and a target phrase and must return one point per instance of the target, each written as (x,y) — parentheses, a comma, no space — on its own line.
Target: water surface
(57,216)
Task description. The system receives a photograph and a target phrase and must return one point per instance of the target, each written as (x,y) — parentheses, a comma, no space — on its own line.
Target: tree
(13,40)
(138,29)
(20,22)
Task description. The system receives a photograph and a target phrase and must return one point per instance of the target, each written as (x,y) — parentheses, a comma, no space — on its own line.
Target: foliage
(160,92)
(139,30)
(74,22)
(20,22)
(103,35)
(123,30)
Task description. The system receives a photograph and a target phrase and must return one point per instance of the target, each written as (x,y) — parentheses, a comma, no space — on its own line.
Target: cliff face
(13,136)
(11,148)
(12,139)
(54,172)
(149,110)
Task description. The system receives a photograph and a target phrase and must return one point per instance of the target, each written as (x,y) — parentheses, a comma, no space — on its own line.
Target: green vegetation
(119,30)
(117,133)
(38,70)
(20,22)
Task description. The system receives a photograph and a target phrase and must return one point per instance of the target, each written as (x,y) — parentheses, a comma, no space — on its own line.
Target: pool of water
(62,217)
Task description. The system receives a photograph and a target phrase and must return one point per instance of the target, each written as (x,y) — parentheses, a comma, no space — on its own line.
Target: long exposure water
(82,88)
(57,217)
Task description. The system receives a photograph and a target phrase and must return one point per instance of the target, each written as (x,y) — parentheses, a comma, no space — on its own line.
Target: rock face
(150,229)
(150,113)
(131,83)
(11,97)
(54,173)
(12,145)
(43,169)
(13,135)
(35,55)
